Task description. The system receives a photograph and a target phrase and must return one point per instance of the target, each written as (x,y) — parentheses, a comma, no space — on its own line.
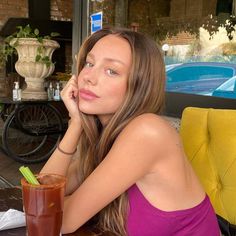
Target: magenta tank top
(146,220)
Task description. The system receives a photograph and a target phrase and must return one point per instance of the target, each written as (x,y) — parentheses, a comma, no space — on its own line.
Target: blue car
(198,77)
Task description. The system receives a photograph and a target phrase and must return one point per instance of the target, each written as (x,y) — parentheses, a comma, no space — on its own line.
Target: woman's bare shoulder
(150,124)
(147,131)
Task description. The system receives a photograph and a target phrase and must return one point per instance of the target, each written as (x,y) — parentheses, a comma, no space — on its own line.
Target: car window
(227,89)
(198,73)
(228,85)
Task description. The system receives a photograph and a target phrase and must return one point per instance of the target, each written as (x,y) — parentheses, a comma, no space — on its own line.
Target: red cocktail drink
(44,205)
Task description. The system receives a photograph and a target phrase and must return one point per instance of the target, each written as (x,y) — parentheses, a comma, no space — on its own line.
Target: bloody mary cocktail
(44,205)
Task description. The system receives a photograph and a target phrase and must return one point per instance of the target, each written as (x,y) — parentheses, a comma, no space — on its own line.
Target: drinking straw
(29,176)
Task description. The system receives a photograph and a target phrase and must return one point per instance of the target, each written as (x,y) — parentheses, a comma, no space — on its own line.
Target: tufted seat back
(209,139)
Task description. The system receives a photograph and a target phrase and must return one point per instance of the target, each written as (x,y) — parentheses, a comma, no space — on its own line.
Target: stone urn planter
(34,72)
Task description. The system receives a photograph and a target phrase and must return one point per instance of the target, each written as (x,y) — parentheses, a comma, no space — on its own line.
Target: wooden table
(12,198)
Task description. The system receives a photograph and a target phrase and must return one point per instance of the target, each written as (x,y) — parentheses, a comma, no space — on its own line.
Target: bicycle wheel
(31,132)
(6,110)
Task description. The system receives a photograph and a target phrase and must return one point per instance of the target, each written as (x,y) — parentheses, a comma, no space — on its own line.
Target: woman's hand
(69,96)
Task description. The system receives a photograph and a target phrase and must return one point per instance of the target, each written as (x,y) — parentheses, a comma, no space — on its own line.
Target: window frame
(177,102)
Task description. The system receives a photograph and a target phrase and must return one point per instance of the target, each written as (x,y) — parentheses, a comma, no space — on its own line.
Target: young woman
(130,169)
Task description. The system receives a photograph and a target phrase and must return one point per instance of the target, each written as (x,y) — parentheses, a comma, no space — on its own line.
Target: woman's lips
(87,95)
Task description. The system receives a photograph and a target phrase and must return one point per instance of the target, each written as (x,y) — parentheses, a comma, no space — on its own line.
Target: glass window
(198,39)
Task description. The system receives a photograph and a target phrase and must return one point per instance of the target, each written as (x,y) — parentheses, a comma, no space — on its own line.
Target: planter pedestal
(35,89)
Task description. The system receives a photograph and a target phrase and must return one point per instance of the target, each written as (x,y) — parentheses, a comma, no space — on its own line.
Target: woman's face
(103,80)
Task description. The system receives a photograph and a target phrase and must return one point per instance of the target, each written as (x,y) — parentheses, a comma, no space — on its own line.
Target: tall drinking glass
(44,204)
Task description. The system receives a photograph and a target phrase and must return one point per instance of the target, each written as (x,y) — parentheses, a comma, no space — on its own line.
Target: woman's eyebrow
(114,60)
(108,59)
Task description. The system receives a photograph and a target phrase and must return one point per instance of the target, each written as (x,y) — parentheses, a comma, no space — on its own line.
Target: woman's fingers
(73,77)
(71,88)
(69,96)
(75,94)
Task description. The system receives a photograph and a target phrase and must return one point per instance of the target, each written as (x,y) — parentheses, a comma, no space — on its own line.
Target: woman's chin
(87,110)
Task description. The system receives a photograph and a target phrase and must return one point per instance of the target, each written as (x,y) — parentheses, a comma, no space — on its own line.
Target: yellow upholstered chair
(209,139)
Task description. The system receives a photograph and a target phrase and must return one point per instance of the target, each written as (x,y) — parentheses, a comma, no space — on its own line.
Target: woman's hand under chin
(70,98)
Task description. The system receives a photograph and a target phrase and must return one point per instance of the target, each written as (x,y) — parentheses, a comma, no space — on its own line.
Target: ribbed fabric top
(146,220)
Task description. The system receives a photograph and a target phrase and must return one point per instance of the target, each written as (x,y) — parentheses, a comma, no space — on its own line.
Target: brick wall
(182,38)
(186,8)
(61,10)
(173,16)
(177,9)
(145,13)
(12,8)
(181,11)
(209,7)
(189,12)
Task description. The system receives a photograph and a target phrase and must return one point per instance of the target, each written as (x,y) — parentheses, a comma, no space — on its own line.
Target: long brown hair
(145,94)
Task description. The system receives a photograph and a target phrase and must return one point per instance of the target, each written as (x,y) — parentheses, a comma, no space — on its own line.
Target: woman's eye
(88,64)
(111,72)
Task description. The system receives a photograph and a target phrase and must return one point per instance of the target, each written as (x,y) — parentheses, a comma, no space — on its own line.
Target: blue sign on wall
(96,22)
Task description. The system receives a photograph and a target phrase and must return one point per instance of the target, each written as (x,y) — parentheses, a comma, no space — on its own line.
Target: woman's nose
(91,76)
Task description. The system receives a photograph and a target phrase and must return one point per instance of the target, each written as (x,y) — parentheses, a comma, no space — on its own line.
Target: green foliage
(166,28)
(25,32)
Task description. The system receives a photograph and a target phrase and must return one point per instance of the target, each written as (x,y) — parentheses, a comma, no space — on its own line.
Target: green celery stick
(26,172)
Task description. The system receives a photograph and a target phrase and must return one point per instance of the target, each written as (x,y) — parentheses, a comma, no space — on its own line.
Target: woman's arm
(130,158)
(59,162)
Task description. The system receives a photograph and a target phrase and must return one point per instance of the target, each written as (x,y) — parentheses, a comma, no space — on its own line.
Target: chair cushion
(209,139)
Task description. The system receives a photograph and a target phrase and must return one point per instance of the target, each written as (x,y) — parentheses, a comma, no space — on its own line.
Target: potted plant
(34,59)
